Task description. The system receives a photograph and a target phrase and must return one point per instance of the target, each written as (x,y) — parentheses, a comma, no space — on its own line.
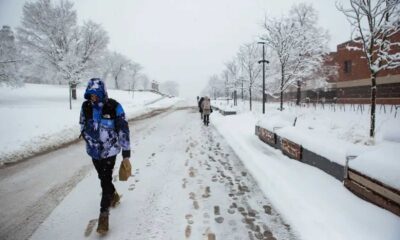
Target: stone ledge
(267,137)
(298,152)
(361,185)
(291,149)
(224,113)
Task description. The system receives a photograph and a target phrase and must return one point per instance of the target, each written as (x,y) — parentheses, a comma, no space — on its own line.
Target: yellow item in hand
(125,170)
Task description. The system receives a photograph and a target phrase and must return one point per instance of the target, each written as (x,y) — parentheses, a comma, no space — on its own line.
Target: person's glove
(125,170)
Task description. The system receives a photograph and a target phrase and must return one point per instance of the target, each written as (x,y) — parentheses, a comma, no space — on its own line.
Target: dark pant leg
(104,169)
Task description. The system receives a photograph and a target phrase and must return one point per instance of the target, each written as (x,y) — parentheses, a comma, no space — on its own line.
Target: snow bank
(330,132)
(301,192)
(277,121)
(37,117)
(381,162)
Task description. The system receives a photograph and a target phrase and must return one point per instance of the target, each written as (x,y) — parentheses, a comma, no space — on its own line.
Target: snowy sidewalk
(187,184)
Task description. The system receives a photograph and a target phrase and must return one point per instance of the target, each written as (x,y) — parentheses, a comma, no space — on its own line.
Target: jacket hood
(96,86)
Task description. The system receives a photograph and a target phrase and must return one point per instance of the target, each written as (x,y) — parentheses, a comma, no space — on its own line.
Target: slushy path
(187,184)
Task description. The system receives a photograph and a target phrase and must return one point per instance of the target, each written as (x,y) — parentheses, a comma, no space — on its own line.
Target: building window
(347,66)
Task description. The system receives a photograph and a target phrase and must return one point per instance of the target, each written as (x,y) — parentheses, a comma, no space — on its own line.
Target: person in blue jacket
(106,132)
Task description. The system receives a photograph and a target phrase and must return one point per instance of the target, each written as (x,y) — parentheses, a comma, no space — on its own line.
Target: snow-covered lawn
(314,203)
(37,117)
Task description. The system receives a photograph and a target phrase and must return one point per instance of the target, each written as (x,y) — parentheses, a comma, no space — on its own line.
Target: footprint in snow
(90,226)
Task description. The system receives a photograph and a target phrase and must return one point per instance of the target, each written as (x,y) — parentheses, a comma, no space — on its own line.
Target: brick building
(351,83)
(353,80)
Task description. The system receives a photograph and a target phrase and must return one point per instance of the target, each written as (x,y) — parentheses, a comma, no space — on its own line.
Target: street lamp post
(263,61)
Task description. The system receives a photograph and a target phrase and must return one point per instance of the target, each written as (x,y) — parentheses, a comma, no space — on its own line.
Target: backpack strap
(110,108)
(87,109)
(88,113)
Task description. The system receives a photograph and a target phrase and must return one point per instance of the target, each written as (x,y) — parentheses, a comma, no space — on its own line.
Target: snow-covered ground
(37,117)
(335,132)
(187,184)
(189,181)
(314,203)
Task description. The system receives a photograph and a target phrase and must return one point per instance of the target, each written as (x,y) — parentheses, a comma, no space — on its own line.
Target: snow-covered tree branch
(9,58)
(297,44)
(248,56)
(51,36)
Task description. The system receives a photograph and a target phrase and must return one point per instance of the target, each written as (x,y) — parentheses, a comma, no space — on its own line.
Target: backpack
(109,110)
(206,104)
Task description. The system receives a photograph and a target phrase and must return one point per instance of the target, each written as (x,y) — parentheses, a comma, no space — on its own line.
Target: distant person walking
(200,108)
(106,132)
(206,110)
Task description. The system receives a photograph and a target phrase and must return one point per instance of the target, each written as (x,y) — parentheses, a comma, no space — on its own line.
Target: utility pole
(263,61)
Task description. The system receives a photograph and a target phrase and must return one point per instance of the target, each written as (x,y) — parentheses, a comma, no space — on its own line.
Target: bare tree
(215,87)
(170,88)
(145,81)
(233,69)
(52,37)
(297,45)
(134,74)
(116,65)
(248,56)
(227,84)
(306,18)
(9,58)
(374,24)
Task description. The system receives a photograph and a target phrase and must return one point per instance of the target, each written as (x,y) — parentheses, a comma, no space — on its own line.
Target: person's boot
(102,227)
(115,199)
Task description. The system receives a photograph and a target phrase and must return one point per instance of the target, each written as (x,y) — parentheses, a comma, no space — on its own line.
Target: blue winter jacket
(103,124)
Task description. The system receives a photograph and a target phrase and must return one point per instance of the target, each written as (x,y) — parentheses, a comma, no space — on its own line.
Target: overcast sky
(185,40)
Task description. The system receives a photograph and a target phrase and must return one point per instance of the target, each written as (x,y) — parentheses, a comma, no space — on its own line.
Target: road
(187,183)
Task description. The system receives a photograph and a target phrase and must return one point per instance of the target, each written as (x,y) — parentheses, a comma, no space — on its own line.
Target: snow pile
(224,106)
(381,162)
(391,131)
(301,192)
(277,121)
(331,133)
(37,117)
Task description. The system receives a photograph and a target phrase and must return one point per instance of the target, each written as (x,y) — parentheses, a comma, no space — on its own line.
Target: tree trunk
(73,90)
(116,82)
(250,99)
(73,93)
(235,98)
(298,93)
(282,79)
(281,108)
(373,105)
(242,92)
